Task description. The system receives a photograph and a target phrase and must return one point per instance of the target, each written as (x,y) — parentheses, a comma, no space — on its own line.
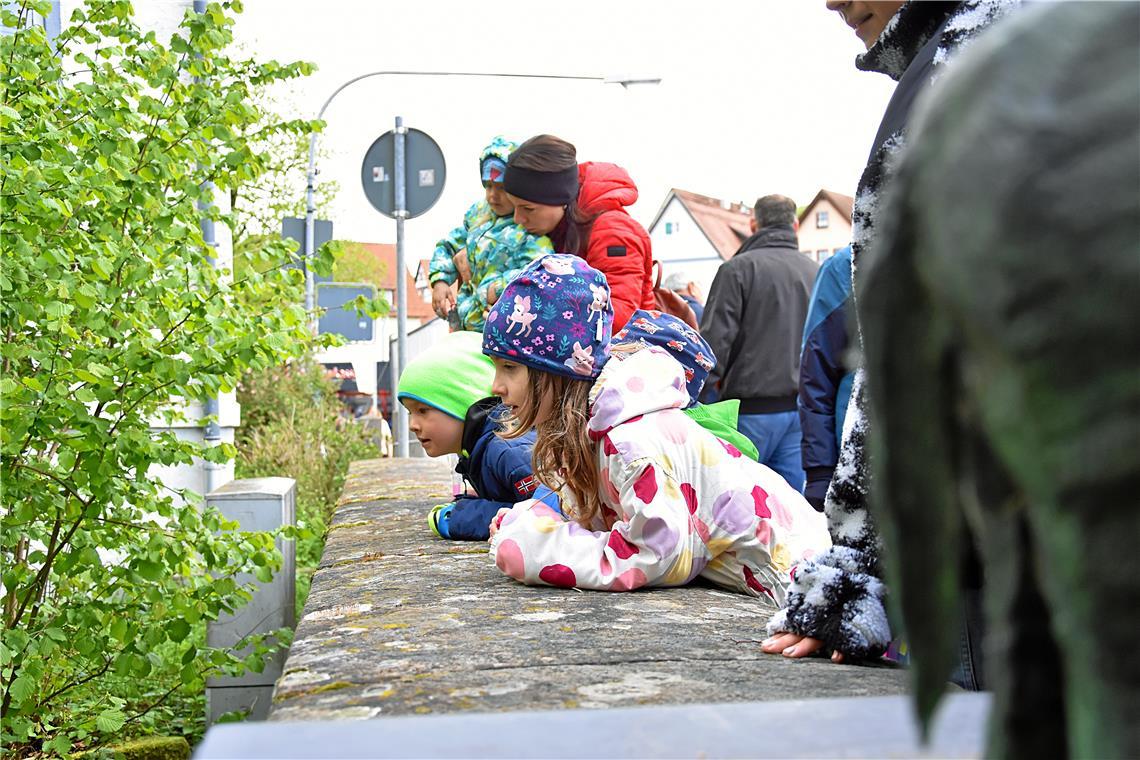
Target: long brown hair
(563,455)
(547,153)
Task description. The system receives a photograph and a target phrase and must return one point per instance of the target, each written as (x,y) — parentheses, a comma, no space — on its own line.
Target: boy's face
(497,198)
(439,433)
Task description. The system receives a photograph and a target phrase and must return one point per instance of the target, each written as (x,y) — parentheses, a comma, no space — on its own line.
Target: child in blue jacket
(447,392)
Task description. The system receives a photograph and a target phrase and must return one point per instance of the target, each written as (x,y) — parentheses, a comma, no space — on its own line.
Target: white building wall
(163,17)
(820,243)
(679,245)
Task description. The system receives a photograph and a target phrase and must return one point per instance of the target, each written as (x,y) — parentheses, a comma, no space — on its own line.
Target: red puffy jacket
(619,247)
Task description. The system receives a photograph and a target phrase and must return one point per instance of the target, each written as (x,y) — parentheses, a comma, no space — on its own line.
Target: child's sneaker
(437,519)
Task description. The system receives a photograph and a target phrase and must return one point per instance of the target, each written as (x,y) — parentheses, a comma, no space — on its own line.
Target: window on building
(822,254)
(821,220)
(668,228)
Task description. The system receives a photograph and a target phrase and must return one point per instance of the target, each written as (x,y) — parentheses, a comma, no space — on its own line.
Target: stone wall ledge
(400,622)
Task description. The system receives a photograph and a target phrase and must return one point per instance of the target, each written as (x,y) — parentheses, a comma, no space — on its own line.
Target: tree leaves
(115,322)
(110,721)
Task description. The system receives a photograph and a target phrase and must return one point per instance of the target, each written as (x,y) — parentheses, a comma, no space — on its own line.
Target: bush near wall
(293,426)
(113,314)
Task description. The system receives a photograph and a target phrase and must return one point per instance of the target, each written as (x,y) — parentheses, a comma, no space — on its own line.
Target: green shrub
(113,313)
(147,748)
(293,426)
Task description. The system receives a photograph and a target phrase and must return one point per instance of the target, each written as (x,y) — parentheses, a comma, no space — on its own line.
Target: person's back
(669,333)
(754,320)
(825,378)
(619,246)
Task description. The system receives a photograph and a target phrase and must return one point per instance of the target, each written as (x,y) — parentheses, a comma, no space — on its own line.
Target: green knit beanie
(451,375)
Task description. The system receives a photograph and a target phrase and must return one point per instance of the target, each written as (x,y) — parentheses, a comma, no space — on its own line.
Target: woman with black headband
(581,208)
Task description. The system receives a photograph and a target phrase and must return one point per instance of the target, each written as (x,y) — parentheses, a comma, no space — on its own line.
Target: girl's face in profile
(536,218)
(512,386)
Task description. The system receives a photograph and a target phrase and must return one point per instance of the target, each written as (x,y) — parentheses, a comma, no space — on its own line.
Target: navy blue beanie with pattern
(655,328)
(554,317)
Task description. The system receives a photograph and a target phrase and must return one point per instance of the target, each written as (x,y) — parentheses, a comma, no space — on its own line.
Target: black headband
(548,188)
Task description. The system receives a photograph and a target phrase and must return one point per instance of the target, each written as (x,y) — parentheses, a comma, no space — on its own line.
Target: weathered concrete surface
(400,622)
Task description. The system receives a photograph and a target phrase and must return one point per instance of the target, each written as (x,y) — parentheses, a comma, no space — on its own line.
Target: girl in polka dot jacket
(651,497)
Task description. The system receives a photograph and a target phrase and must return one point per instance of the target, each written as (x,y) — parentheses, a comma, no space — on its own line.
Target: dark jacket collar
(775,236)
(905,34)
(474,423)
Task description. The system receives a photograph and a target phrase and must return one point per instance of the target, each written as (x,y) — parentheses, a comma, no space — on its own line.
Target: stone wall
(401,622)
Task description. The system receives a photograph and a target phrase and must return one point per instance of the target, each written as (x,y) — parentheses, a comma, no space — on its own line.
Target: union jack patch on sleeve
(527,485)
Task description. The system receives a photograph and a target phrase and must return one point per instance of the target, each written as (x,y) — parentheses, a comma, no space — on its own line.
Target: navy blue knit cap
(554,317)
(656,328)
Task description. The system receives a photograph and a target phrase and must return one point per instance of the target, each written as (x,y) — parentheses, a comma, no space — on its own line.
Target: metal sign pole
(309,244)
(401,283)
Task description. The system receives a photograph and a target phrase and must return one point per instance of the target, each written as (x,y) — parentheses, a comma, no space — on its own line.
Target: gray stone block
(821,728)
(257,504)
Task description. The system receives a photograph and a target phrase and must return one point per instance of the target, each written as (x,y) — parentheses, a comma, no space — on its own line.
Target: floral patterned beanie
(554,317)
(493,159)
(656,328)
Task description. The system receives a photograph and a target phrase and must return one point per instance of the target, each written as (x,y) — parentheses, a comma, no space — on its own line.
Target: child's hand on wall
(795,646)
(497,519)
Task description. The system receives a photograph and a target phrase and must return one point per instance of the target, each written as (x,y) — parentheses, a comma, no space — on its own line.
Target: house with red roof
(695,234)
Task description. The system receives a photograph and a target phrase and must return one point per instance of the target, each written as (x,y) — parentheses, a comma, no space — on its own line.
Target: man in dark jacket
(754,322)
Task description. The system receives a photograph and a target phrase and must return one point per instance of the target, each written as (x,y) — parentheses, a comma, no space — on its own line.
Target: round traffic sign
(424,173)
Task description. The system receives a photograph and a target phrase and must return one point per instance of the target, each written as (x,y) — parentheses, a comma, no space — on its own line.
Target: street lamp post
(399,417)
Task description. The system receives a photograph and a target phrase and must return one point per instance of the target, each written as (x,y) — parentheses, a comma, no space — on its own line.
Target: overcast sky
(758,96)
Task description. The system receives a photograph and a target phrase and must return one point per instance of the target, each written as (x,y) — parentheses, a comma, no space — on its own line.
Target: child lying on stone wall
(447,392)
(655,328)
(653,498)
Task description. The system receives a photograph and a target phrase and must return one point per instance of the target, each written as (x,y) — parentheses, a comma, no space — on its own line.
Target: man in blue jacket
(825,379)
(447,392)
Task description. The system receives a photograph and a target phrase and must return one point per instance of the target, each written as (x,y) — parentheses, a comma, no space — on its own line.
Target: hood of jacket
(634,385)
(500,148)
(604,187)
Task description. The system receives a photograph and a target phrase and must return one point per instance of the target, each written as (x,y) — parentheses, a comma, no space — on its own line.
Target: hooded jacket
(839,597)
(619,247)
(497,250)
(825,379)
(754,320)
(498,469)
(678,503)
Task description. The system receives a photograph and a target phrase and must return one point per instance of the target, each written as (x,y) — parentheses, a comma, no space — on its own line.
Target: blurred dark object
(1001,315)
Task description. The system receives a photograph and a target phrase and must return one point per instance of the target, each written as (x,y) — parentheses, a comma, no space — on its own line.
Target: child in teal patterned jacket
(489,245)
